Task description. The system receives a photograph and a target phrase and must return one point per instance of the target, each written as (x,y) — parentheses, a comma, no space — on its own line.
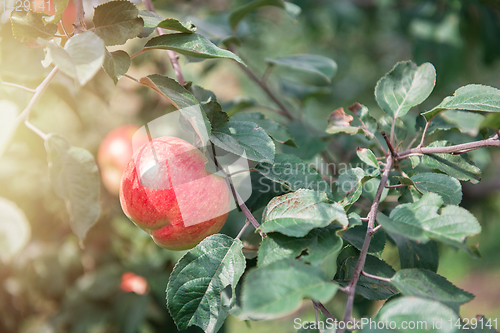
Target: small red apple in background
(68,17)
(167,192)
(134,283)
(114,154)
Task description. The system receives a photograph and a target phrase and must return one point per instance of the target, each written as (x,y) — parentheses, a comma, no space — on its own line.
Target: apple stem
(237,197)
(247,223)
(244,208)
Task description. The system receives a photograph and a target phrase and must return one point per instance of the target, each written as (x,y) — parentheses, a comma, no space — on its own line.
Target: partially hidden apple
(68,16)
(167,192)
(115,151)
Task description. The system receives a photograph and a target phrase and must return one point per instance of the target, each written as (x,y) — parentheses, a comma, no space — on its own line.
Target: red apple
(68,16)
(134,283)
(114,153)
(167,192)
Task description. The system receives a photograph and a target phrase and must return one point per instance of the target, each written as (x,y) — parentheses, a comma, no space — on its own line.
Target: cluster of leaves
(304,226)
(314,222)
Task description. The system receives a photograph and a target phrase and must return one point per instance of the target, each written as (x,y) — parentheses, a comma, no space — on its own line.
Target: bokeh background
(53,285)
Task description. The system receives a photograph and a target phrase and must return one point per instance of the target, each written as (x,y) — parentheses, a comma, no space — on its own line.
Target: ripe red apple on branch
(167,192)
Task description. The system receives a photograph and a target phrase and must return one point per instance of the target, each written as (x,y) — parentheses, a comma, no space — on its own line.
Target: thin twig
(316,314)
(393,127)
(413,141)
(247,223)
(330,164)
(375,277)
(323,309)
(35,129)
(174,57)
(23,116)
(364,219)
(13,85)
(244,208)
(397,185)
(138,53)
(493,141)
(353,108)
(38,92)
(265,88)
(80,17)
(389,144)
(427,122)
(345,290)
(364,250)
(131,78)
(266,74)
(238,198)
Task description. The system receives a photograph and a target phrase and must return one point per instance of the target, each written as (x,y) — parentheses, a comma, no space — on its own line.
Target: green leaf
(81,58)
(415,161)
(302,91)
(150,20)
(239,13)
(340,122)
(447,187)
(429,285)
(75,179)
(275,130)
(370,188)
(404,87)
(176,25)
(293,174)
(201,94)
(116,64)
(8,123)
(319,243)
(309,144)
(192,45)
(315,66)
(400,129)
(59,6)
(466,122)
(263,190)
(15,229)
(417,255)
(367,156)
(417,310)
(296,213)
(292,9)
(473,97)
(27,26)
(457,166)
(367,287)
(215,115)
(277,289)
(195,287)
(117,21)
(183,100)
(356,236)
(350,186)
(420,221)
(246,139)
